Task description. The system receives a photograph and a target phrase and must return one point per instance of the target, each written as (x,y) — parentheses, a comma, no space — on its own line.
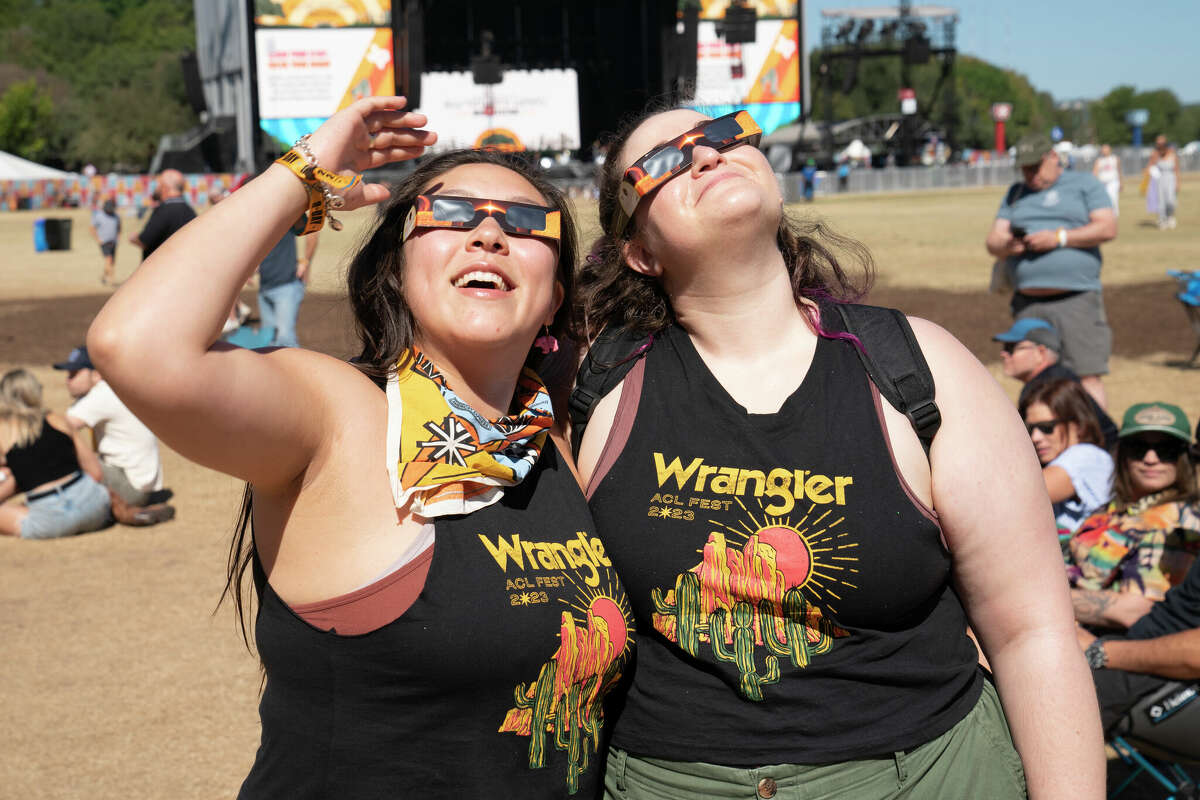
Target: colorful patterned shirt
(1147,548)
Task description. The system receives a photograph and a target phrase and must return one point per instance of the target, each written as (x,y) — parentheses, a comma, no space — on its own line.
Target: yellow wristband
(315,215)
(310,173)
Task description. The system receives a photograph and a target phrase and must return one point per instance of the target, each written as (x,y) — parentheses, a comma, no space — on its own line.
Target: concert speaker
(192,83)
(408,45)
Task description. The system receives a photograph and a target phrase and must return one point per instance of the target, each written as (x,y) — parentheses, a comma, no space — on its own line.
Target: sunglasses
(1165,449)
(668,160)
(445,211)
(1012,347)
(1045,428)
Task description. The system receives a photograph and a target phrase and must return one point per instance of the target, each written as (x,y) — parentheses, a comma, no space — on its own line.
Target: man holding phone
(1049,230)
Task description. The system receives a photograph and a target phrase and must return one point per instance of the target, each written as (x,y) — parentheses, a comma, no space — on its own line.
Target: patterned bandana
(448,458)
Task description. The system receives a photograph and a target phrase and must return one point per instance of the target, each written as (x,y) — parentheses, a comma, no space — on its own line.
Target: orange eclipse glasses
(668,160)
(466,213)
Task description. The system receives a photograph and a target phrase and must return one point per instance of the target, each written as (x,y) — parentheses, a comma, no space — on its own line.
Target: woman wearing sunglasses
(801,575)
(435,614)
(1146,539)
(1066,435)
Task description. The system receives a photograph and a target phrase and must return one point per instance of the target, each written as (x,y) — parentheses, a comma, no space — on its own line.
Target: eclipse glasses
(446,211)
(668,160)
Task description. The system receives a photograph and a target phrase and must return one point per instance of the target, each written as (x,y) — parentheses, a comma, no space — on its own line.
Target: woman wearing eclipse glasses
(801,574)
(1146,539)
(435,614)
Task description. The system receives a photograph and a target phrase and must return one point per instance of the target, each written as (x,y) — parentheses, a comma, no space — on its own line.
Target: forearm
(997,244)
(1174,656)
(175,304)
(1109,609)
(1095,233)
(1049,700)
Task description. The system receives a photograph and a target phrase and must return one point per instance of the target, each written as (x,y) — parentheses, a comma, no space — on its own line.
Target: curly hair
(612,293)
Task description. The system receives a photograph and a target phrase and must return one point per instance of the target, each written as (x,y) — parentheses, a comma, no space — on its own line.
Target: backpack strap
(608,361)
(894,361)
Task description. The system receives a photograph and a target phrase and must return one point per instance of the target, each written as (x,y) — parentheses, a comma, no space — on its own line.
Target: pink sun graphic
(792,555)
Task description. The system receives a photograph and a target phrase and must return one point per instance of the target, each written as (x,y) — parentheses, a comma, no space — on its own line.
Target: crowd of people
(818,587)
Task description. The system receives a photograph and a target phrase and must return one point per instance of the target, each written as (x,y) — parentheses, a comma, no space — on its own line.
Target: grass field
(120,682)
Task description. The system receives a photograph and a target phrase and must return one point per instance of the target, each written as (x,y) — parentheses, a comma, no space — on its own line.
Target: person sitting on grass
(51,464)
(1146,539)
(1066,434)
(130,465)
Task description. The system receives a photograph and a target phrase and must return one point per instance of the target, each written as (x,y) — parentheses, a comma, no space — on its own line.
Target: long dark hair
(1069,402)
(614,294)
(1125,494)
(385,324)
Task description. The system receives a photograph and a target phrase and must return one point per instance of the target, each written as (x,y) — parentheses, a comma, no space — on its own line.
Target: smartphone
(1018,232)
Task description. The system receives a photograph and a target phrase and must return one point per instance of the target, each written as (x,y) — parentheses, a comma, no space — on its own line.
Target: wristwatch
(1095,655)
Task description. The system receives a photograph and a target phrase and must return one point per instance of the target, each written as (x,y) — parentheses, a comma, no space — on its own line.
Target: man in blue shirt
(282,278)
(1049,230)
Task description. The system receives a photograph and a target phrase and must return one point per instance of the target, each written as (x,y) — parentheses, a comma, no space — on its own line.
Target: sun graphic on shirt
(609,604)
(813,553)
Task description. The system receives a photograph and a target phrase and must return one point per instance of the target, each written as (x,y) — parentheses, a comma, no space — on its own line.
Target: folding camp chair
(1189,295)
(1159,732)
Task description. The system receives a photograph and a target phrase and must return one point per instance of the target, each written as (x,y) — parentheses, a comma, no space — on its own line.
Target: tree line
(871,89)
(93,81)
(99,81)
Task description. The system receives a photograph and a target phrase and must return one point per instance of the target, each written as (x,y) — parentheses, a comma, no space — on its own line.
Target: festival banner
(322,13)
(306,76)
(762,76)
(528,110)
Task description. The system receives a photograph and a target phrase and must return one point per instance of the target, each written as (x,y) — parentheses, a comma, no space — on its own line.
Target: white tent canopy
(13,168)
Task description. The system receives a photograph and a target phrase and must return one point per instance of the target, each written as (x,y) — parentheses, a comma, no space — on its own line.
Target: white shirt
(122,440)
(1090,469)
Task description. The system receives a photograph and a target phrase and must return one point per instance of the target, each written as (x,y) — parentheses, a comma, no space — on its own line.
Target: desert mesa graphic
(563,707)
(743,602)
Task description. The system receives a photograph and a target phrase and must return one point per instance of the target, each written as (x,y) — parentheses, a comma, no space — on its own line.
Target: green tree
(27,121)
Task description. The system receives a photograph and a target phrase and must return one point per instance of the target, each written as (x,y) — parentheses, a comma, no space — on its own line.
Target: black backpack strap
(608,361)
(891,356)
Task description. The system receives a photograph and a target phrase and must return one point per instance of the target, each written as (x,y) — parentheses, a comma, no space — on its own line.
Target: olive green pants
(975,759)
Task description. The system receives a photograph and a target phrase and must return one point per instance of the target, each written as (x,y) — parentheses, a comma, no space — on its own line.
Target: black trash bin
(58,234)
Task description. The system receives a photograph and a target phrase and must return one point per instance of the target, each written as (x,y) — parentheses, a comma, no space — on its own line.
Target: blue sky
(1072,48)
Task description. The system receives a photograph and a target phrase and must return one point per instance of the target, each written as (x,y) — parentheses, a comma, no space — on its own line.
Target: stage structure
(523,74)
(915,35)
(749,56)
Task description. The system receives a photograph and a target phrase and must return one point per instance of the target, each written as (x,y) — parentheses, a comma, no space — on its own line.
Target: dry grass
(120,683)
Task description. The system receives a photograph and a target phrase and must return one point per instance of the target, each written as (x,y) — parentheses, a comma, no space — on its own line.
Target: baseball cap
(1031,148)
(77,360)
(1034,330)
(1156,416)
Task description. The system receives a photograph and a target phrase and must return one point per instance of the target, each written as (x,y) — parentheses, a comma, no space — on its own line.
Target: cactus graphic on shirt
(684,611)
(740,599)
(563,707)
(742,652)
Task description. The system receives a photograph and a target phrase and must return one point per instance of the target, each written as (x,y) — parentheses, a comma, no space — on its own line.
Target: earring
(546,342)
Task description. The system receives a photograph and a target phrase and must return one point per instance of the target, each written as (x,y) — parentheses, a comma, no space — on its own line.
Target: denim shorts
(81,507)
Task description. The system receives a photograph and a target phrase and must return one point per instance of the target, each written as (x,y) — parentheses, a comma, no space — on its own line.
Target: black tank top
(489,685)
(792,600)
(47,458)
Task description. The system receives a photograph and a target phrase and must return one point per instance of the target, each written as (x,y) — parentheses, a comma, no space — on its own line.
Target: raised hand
(370,133)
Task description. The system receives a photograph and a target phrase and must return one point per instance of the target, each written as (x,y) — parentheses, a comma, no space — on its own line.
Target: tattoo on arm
(1090,605)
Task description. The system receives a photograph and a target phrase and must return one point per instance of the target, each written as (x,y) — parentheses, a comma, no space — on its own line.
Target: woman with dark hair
(1066,435)
(802,574)
(1146,539)
(435,615)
